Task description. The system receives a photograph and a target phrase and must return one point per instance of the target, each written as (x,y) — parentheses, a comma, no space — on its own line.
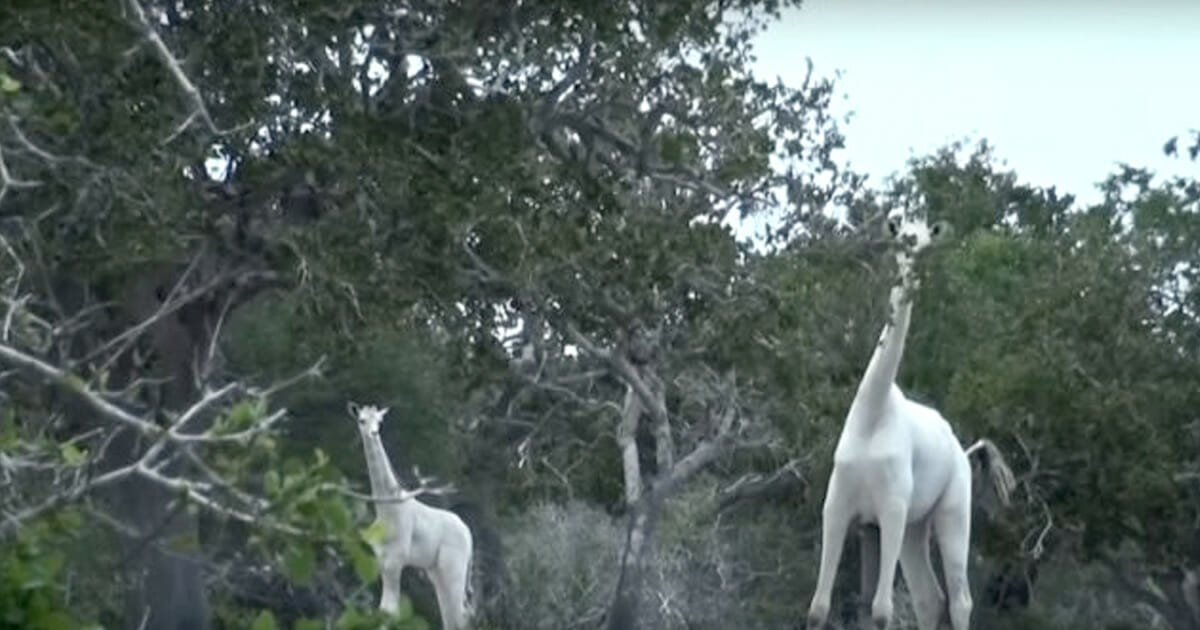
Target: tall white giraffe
(415,535)
(899,464)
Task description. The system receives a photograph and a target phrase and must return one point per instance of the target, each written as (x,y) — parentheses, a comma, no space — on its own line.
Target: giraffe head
(911,230)
(913,233)
(369,417)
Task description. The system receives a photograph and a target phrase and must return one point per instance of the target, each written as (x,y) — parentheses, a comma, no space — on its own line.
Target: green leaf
(338,515)
(8,430)
(350,618)
(671,149)
(70,519)
(54,620)
(375,533)
(264,621)
(271,482)
(75,383)
(184,543)
(405,611)
(241,417)
(300,564)
(52,562)
(309,624)
(364,563)
(8,84)
(71,454)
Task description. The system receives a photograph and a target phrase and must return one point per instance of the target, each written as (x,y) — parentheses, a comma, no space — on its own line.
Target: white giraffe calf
(899,464)
(416,535)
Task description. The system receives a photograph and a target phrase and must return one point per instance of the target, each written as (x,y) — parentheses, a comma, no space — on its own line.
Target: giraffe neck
(379,469)
(880,375)
(388,476)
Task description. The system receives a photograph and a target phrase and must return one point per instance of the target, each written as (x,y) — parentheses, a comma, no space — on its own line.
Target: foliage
(559,564)
(33,593)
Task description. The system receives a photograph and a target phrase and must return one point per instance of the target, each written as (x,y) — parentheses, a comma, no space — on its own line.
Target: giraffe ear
(352,408)
(383,412)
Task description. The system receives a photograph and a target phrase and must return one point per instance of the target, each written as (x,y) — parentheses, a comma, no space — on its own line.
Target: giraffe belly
(874,482)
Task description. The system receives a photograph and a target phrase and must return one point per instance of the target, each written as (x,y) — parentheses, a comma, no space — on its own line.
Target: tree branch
(13,522)
(623,369)
(755,484)
(168,307)
(573,75)
(705,453)
(195,100)
(1141,593)
(19,359)
(8,181)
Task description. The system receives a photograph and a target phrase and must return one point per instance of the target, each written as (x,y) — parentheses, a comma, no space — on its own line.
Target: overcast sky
(1064,90)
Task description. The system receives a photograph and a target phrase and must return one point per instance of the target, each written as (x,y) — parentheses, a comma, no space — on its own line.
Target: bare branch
(623,369)
(41,153)
(705,453)
(208,400)
(196,492)
(214,338)
(404,495)
(172,434)
(217,481)
(12,522)
(199,111)
(168,307)
(1139,592)
(314,371)
(14,303)
(7,181)
(19,359)
(573,75)
(755,484)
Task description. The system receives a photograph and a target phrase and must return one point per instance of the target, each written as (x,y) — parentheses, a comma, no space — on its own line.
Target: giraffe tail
(998,471)
(470,603)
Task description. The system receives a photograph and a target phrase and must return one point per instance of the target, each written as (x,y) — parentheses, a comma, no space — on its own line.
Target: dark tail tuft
(998,471)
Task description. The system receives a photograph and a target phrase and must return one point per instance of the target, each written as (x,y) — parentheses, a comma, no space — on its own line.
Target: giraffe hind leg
(917,569)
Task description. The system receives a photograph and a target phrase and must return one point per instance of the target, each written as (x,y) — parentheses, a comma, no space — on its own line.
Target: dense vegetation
(509,222)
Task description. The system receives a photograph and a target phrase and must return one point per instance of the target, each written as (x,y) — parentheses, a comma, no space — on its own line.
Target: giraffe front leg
(835,522)
(892,516)
(389,573)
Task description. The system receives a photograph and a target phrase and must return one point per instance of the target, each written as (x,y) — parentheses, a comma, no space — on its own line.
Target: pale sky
(1063,90)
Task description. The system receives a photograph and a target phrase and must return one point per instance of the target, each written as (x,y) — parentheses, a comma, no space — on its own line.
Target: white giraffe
(899,464)
(415,535)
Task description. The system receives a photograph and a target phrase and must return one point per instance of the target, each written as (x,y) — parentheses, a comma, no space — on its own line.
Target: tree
(356,157)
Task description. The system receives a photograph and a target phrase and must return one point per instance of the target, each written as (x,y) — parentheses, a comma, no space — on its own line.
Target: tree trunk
(626,610)
(168,591)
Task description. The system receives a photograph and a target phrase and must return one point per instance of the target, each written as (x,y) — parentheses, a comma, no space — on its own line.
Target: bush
(561,563)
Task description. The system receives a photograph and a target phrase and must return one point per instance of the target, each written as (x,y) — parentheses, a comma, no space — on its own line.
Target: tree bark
(168,591)
(631,413)
(626,613)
